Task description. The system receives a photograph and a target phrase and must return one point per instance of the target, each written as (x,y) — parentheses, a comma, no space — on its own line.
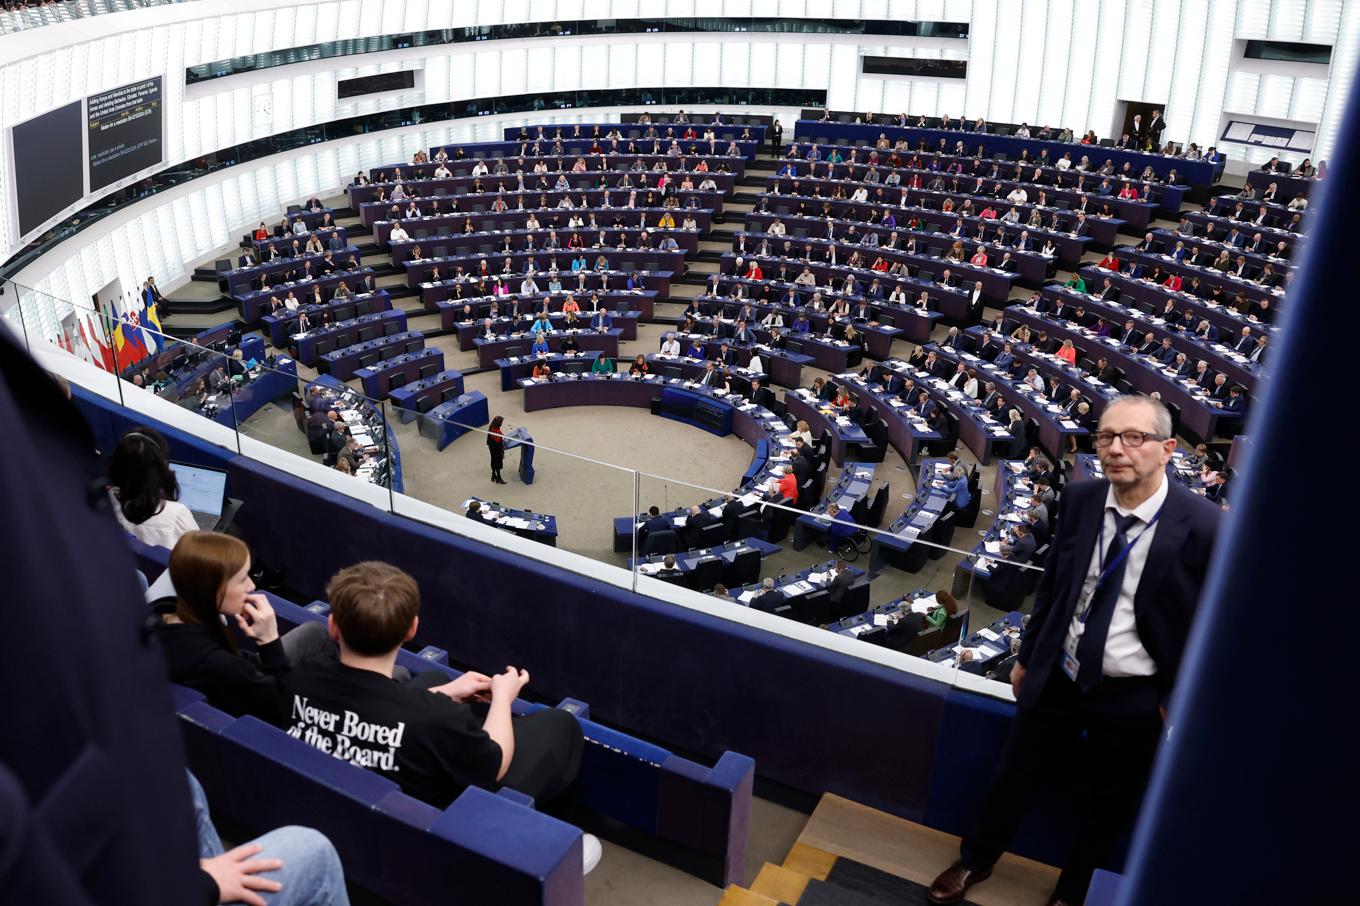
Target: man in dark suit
(840,583)
(1154,130)
(731,514)
(697,520)
(761,395)
(668,570)
(1103,646)
(769,599)
(655,522)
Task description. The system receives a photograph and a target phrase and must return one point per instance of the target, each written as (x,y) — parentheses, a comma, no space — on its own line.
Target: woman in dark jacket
(211,577)
(495,442)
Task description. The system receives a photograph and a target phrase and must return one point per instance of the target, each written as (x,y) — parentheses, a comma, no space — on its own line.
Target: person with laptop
(145,491)
(203,491)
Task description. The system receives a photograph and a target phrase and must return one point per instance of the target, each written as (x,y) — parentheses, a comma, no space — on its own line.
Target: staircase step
(734,895)
(822,893)
(779,883)
(202,306)
(808,860)
(867,838)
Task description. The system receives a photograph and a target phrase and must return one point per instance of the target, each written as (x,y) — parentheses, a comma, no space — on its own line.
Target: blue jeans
(311,873)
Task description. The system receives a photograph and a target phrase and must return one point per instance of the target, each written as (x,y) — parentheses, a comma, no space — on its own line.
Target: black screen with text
(125,131)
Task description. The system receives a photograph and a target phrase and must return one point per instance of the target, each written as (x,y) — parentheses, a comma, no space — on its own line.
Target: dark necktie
(1091,646)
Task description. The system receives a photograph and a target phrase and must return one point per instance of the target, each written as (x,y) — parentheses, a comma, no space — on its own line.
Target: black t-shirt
(432,746)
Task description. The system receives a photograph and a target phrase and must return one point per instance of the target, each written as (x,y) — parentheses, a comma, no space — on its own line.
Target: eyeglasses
(1127,438)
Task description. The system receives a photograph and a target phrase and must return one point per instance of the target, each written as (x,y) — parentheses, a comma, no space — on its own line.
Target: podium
(521,439)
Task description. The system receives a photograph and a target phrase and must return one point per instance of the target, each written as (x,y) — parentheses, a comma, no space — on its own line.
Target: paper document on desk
(749,499)
(648,568)
(746,596)
(860,629)
(924,605)
(715,511)
(881,619)
(983,565)
(992,547)
(679,521)
(801,587)
(989,635)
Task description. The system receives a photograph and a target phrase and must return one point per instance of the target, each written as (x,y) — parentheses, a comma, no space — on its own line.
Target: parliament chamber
(738,370)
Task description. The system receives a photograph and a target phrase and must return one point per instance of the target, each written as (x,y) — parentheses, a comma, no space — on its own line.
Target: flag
(152,321)
(102,354)
(136,316)
(128,346)
(75,346)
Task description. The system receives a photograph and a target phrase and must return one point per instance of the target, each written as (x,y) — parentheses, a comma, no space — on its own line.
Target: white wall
(1055,61)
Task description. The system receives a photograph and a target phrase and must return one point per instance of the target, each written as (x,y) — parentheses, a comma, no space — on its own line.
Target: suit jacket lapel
(1087,531)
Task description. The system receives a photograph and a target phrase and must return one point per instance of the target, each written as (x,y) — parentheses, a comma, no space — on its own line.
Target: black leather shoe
(954,882)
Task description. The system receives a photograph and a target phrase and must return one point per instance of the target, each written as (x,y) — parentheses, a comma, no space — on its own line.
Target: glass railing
(928,587)
(567,28)
(35,16)
(427,114)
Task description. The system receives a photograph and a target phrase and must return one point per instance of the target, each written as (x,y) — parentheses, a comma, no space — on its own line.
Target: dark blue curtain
(1252,795)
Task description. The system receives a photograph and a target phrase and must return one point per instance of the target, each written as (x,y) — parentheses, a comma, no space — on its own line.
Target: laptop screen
(201,490)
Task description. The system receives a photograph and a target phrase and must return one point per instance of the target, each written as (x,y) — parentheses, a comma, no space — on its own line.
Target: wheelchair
(850,548)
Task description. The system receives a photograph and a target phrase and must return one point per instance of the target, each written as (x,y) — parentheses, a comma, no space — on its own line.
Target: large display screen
(125,131)
(47,166)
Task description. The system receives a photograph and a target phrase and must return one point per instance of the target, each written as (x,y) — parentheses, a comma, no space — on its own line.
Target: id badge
(1071,666)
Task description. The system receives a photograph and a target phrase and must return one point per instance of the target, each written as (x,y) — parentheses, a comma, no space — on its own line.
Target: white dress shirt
(1124,651)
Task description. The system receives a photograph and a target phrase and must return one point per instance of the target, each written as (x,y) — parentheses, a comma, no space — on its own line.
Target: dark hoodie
(246,683)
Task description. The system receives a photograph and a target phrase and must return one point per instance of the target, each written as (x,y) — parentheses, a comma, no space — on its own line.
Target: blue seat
(488,847)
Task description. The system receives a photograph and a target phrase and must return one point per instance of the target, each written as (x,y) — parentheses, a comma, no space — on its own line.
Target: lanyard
(1114,564)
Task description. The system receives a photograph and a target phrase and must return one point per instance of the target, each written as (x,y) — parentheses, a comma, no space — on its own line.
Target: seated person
(668,568)
(294,866)
(144,489)
(432,736)
(913,624)
(843,526)
(210,574)
(769,599)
